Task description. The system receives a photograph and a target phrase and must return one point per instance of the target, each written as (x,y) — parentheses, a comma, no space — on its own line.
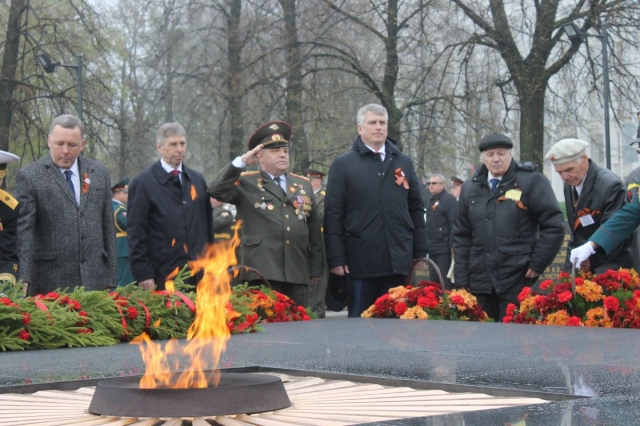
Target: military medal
(302,192)
(292,189)
(270,206)
(257,205)
(263,206)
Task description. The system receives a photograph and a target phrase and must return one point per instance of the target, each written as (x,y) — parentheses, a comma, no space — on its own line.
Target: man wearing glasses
(441,211)
(120,193)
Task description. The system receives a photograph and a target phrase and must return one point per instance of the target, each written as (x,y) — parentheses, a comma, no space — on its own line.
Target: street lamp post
(49,66)
(576,36)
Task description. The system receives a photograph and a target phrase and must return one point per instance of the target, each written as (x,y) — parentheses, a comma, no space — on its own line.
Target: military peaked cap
(456,181)
(273,134)
(495,140)
(124,183)
(313,173)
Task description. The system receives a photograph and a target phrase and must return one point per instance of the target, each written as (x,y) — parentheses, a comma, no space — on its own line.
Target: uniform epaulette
(250,173)
(8,199)
(300,176)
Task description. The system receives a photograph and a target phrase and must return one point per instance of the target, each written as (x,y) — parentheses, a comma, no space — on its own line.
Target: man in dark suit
(441,210)
(8,225)
(374,216)
(120,193)
(280,224)
(592,195)
(170,218)
(66,236)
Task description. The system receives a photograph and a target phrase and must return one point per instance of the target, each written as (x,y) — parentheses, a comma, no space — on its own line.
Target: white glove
(582,253)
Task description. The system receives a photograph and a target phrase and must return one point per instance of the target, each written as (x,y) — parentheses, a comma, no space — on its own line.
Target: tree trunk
(294,86)
(9,67)
(532,124)
(234,80)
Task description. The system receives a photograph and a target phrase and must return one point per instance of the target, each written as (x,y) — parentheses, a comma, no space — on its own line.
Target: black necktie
(574,193)
(277,180)
(67,174)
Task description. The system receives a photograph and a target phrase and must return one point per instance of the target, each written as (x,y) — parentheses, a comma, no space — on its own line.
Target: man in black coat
(441,211)
(592,195)
(170,218)
(508,229)
(374,217)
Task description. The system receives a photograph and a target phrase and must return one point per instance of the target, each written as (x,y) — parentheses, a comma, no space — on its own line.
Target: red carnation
(6,301)
(178,304)
(168,305)
(400,308)
(574,322)
(278,307)
(565,296)
(132,313)
(611,303)
(74,304)
(510,309)
(524,293)
(24,335)
(545,284)
(26,318)
(457,300)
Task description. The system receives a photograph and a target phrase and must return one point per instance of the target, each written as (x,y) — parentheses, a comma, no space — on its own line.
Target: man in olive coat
(281,236)
(373,213)
(508,229)
(317,291)
(170,218)
(592,195)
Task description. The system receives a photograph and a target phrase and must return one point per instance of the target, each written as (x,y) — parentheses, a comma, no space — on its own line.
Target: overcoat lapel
(272,187)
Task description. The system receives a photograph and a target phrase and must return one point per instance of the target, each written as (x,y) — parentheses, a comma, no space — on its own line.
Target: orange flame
(194,193)
(207,336)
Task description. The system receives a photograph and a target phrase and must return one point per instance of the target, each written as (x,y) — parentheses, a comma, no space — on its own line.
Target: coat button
(184,202)
(288,229)
(284,205)
(286,216)
(287,241)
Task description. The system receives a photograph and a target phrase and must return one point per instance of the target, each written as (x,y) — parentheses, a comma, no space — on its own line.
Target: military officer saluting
(120,193)
(280,222)
(8,225)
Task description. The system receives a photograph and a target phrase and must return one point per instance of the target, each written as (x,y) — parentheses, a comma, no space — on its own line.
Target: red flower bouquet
(611,299)
(426,301)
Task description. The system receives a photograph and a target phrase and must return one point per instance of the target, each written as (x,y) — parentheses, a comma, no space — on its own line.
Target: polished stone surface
(602,365)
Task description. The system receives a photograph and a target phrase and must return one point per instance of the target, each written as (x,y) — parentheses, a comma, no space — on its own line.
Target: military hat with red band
(274,134)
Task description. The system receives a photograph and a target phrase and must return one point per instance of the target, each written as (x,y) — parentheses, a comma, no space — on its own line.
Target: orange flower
(591,291)
(560,317)
(597,317)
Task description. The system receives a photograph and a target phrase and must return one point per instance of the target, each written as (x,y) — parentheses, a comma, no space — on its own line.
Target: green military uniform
(223,223)
(281,235)
(8,225)
(123,266)
(8,237)
(318,291)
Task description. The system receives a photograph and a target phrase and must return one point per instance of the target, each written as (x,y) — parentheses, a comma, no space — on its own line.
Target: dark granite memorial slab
(600,365)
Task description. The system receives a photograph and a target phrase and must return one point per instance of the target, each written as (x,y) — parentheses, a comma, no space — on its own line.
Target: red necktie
(174,173)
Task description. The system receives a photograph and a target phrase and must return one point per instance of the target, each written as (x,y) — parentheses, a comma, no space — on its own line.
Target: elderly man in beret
(281,235)
(508,229)
(592,195)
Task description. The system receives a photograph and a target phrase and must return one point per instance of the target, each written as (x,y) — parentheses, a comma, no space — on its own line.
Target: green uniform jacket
(120,221)
(280,233)
(618,228)
(8,237)
(320,203)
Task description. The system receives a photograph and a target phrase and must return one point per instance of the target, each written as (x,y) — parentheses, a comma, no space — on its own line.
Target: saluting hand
(249,157)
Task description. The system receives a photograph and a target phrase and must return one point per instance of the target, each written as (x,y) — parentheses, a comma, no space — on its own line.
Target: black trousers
(443,260)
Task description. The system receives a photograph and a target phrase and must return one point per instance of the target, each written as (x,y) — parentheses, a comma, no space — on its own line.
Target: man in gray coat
(66,236)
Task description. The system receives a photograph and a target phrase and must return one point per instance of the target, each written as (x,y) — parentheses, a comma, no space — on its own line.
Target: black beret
(313,173)
(495,140)
(273,134)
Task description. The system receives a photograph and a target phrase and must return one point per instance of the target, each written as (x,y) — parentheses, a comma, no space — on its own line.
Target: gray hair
(67,121)
(375,109)
(167,130)
(482,153)
(442,178)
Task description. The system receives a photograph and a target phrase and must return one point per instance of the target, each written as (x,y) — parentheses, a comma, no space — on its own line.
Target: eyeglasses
(434,183)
